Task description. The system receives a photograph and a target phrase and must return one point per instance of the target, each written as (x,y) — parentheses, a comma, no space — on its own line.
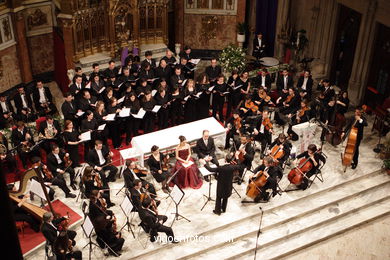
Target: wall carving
(6,32)
(39,20)
(41,53)
(209,29)
(10,75)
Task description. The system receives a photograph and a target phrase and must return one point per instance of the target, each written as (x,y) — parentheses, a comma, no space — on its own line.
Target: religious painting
(39,20)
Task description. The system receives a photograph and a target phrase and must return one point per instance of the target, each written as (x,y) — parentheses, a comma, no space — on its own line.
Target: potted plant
(241,30)
(386,165)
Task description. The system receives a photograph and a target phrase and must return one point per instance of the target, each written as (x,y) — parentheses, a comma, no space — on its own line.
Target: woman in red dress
(188,173)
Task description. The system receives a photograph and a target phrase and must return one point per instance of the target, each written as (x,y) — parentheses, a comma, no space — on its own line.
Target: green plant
(386,164)
(242,28)
(232,58)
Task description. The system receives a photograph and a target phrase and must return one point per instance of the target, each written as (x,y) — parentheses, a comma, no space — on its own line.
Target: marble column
(22,48)
(363,53)
(282,27)
(67,32)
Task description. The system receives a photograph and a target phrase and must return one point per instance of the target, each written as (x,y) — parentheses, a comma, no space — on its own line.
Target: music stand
(88,229)
(177,195)
(127,208)
(205,174)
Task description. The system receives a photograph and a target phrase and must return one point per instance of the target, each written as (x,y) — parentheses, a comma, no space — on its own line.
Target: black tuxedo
(75,90)
(248,157)
(202,150)
(48,96)
(150,222)
(19,103)
(93,161)
(50,232)
(267,81)
(280,83)
(213,73)
(69,110)
(309,85)
(86,104)
(54,166)
(152,63)
(258,50)
(9,109)
(136,198)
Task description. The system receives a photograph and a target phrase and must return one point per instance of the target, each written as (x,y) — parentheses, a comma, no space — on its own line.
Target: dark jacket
(50,232)
(93,158)
(202,150)
(52,163)
(48,97)
(280,82)
(224,179)
(19,103)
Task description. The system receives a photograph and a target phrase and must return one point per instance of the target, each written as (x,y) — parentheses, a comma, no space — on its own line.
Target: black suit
(49,100)
(76,90)
(50,232)
(151,223)
(152,63)
(69,110)
(258,50)
(56,139)
(17,138)
(136,198)
(9,109)
(275,173)
(213,73)
(248,157)
(129,179)
(19,107)
(202,150)
(93,160)
(360,128)
(281,86)
(86,104)
(54,166)
(309,85)
(224,184)
(267,81)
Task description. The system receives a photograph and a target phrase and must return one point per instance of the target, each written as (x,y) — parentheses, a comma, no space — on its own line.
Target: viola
(257,182)
(146,195)
(302,111)
(264,96)
(46,172)
(251,106)
(165,164)
(68,161)
(267,124)
(237,123)
(289,98)
(98,180)
(140,170)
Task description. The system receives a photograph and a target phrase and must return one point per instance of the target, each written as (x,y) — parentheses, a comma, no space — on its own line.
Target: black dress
(101,135)
(203,102)
(163,113)
(132,123)
(149,116)
(235,95)
(176,108)
(72,149)
(155,166)
(114,127)
(190,113)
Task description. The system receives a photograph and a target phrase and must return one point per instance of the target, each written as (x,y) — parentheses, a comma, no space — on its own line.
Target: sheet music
(126,206)
(195,61)
(154,92)
(101,127)
(156,108)
(184,82)
(198,94)
(187,97)
(176,194)
(80,113)
(85,136)
(125,112)
(239,86)
(87,226)
(211,88)
(120,100)
(88,86)
(36,188)
(186,165)
(121,84)
(110,117)
(141,113)
(102,89)
(204,171)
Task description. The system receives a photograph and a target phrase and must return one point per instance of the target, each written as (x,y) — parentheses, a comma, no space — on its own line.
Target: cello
(296,175)
(349,152)
(256,183)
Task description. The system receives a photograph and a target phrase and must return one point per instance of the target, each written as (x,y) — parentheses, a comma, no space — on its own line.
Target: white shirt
(24,103)
(259,40)
(242,147)
(285,81)
(59,161)
(42,98)
(261,128)
(263,81)
(101,158)
(4,107)
(304,83)
(205,141)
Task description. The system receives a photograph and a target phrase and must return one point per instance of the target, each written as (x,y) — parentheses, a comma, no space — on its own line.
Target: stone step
(340,191)
(316,219)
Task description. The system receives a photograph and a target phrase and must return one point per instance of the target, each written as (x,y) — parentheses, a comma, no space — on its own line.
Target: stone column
(67,31)
(282,26)
(179,19)
(364,49)
(22,48)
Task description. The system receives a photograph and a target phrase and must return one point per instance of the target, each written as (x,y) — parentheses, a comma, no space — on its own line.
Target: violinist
(107,236)
(158,165)
(91,181)
(272,173)
(248,107)
(287,106)
(99,158)
(205,148)
(137,195)
(327,91)
(243,154)
(98,206)
(299,117)
(59,162)
(315,158)
(280,144)
(50,228)
(263,131)
(220,88)
(63,248)
(23,140)
(233,125)
(132,173)
(153,223)
(51,178)
(358,121)
(261,99)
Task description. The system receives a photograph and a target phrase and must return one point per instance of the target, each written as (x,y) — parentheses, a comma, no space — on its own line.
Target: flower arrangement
(232,58)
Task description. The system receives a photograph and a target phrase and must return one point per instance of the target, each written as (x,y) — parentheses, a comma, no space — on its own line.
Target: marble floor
(350,245)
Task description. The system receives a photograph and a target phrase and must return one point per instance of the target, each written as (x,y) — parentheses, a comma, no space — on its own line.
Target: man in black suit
(97,158)
(153,223)
(186,53)
(149,60)
(305,83)
(283,83)
(169,59)
(43,100)
(111,71)
(264,80)
(205,148)
(177,78)
(24,106)
(245,152)
(87,102)
(50,230)
(7,158)
(135,193)
(327,92)
(213,71)
(6,111)
(79,72)
(50,129)
(360,122)
(130,176)
(76,88)
(22,138)
(56,164)
(224,176)
(258,46)
(69,108)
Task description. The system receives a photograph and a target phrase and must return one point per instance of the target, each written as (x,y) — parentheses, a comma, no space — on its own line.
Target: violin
(103,208)
(267,124)
(288,99)
(45,171)
(98,180)
(145,195)
(250,105)
(237,123)
(140,170)
(302,111)
(263,95)
(68,161)
(165,164)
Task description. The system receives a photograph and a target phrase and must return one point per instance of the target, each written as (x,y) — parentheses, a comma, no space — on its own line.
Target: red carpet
(30,239)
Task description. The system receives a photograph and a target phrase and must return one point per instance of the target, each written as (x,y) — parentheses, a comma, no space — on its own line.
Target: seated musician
(248,107)
(49,130)
(20,214)
(273,175)
(56,164)
(92,182)
(300,116)
(261,99)
(130,174)
(205,148)
(153,223)
(263,131)
(328,116)
(280,143)
(264,80)
(55,178)
(63,248)
(43,100)
(155,163)
(315,158)
(283,83)
(233,125)
(289,105)
(138,194)
(23,140)
(50,228)
(23,105)
(244,154)
(6,111)
(6,157)
(98,207)
(106,236)
(98,158)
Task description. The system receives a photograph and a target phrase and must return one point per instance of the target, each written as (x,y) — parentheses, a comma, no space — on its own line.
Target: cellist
(280,143)
(315,159)
(243,153)
(358,121)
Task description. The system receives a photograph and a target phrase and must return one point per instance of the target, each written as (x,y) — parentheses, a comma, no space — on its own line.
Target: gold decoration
(209,28)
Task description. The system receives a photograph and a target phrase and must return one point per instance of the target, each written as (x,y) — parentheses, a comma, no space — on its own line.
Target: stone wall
(41,53)
(9,67)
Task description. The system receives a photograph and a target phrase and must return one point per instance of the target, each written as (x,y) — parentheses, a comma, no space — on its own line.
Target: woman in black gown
(114,126)
(148,104)
(190,113)
(72,140)
(132,124)
(162,99)
(100,117)
(203,103)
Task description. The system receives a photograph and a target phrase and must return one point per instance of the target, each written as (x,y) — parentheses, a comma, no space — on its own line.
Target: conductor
(224,176)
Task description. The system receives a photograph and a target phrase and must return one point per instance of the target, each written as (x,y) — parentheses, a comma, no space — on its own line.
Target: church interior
(195,129)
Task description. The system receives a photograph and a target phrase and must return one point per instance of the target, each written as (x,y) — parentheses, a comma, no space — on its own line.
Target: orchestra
(158,97)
